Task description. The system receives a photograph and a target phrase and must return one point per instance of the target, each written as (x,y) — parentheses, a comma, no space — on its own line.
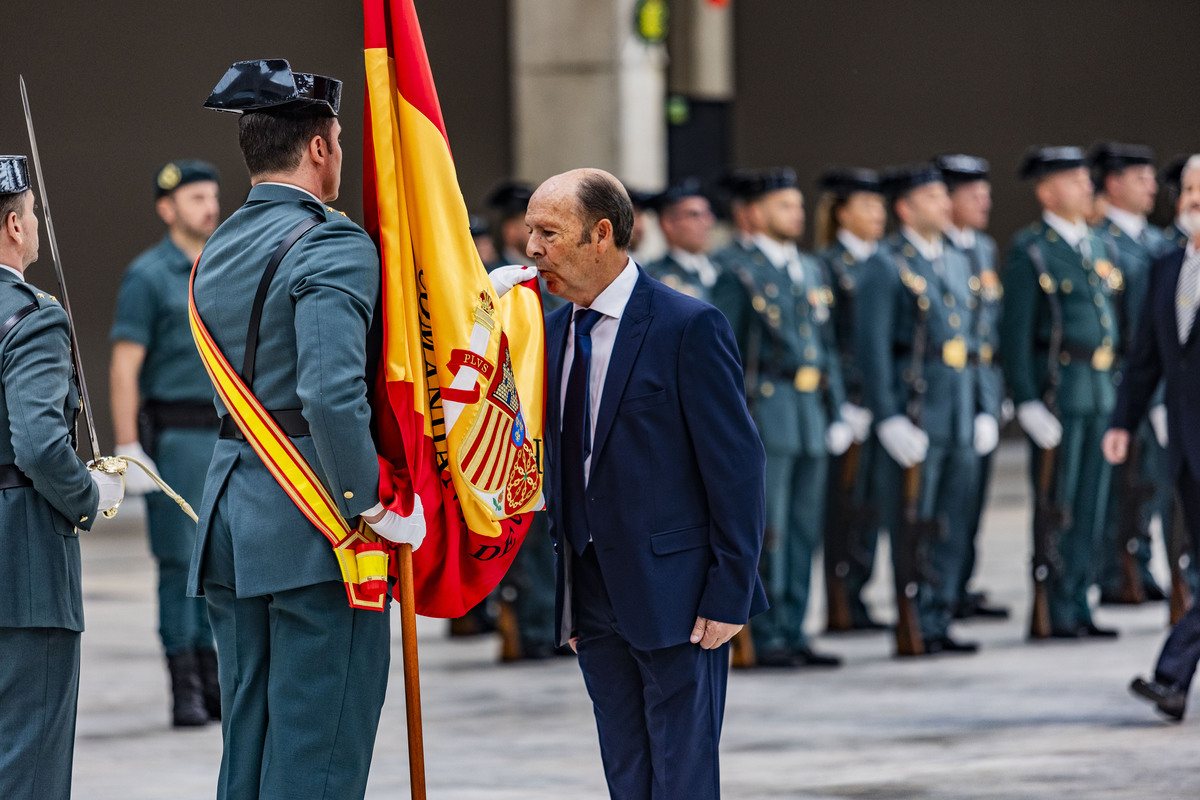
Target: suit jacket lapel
(630,335)
(556,338)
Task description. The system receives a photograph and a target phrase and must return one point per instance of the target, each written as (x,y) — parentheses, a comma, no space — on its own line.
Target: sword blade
(84,402)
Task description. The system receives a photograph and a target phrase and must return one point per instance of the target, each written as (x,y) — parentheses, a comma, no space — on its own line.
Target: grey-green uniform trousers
(788,324)
(152,310)
(1134,257)
(1083,280)
(890,292)
(41,605)
(985,344)
(302,674)
(875,486)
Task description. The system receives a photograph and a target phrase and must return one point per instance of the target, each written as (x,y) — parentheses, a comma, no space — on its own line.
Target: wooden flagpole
(412,676)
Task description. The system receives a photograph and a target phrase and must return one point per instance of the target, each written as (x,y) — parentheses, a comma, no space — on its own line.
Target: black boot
(187,707)
(210,687)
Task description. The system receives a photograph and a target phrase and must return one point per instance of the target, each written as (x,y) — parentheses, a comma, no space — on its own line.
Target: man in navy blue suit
(1165,348)
(656,504)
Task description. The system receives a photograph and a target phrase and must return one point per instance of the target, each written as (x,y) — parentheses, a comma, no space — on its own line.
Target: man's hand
(1115,445)
(710,634)
(136,479)
(505,278)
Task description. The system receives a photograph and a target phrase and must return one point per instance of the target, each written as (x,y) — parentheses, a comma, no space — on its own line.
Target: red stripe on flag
(394,25)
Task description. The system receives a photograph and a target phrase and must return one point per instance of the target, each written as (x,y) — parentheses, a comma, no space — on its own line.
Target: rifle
(1049,516)
(1131,524)
(1178,547)
(912,530)
(845,519)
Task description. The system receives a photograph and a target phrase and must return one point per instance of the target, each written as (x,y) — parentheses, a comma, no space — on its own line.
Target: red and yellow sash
(364,559)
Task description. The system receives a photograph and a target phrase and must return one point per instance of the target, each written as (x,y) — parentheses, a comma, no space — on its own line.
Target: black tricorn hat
(641,199)
(845,181)
(1171,175)
(752,184)
(14,174)
(1042,160)
(510,197)
(899,181)
(479,225)
(1105,158)
(958,168)
(173,174)
(688,187)
(268,84)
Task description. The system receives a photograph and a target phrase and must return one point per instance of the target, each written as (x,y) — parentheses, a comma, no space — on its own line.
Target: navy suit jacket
(1157,355)
(675,496)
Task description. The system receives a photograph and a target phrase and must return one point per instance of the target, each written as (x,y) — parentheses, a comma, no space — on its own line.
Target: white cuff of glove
(859,420)
(401,530)
(904,442)
(505,278)
(111,490)
(136,479)
(987,434)
(1158,421)
(1043,427)
(838,438)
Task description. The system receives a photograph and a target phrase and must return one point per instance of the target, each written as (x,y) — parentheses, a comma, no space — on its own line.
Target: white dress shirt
(861,249)
(1134,225)
(1072,232)
(697,264)
(785,256)
(14,271)
(963,238)
(932,251)
(611,303)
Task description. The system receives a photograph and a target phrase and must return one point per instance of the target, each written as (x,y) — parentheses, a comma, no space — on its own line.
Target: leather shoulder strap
(260,297)
(20,314)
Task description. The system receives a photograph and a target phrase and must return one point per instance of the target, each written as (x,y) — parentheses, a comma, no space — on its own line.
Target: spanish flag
(459,396)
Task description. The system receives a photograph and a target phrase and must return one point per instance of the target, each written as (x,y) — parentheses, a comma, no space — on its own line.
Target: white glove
(904,442)
(859,420)
(1158,421)
(136,480)
(505,278)
(402,530)
(838,438)
(1042,426)
(987,434)
(111,491)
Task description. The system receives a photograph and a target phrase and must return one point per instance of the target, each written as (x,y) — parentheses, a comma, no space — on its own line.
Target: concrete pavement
(1019,720)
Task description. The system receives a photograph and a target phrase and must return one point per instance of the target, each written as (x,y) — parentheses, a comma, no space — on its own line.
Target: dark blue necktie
(576,431)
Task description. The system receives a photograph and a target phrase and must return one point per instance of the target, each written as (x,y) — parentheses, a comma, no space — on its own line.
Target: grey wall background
(117,86)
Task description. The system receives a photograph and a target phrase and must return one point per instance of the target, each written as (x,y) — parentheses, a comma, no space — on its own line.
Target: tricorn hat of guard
(14,174)
(269,85)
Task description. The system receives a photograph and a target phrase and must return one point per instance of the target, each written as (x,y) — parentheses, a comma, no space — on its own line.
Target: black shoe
(1093,630)
(1068,633)
(946,644)
(775,658)
(1153,592)
(1169,699)
(868,624)
(210,685)
(187,698)
(807,657)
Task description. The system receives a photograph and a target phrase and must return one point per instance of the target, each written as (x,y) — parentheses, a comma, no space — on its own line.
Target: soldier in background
(1058,287)
(686,220)
(1124,174)
(851,216)
(970,191)
(921,300)
(163,415)
(1171,178)
(481,234)
(777,302)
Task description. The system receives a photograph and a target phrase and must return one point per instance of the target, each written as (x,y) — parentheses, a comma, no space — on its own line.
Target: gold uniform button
(975,284)
(771,290)
(1099,300)
(348,495)
(955,321)
(1047,283)
(759,303)
(910,251)
(1051,236)
(1105,320)
(948,299)
(923,303)
(1067,286)
(766,389)
(41,295)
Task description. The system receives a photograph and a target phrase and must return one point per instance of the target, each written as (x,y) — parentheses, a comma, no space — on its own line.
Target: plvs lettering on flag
(459,396)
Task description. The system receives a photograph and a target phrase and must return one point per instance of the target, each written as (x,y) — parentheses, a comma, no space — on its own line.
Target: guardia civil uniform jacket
(672,272)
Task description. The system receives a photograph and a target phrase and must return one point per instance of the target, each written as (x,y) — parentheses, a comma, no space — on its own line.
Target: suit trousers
(658,712)
(303,678)
(39,688)
(1181,652)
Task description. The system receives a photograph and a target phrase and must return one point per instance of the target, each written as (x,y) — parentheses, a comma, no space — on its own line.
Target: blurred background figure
(687,221)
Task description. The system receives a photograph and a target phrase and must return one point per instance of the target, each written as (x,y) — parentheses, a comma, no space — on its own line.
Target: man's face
(782,214)
(514,234)
(29,229)
(1132,189)
(1189,202)
(331,176)
(193,209)
(688,224)
(926,209)
(559,245)
(864,215)
(638,232)
(1067,194)
(971,205)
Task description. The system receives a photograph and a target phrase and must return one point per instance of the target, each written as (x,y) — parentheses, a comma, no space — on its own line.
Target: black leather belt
(12,478)
(291,420)
(165,414)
